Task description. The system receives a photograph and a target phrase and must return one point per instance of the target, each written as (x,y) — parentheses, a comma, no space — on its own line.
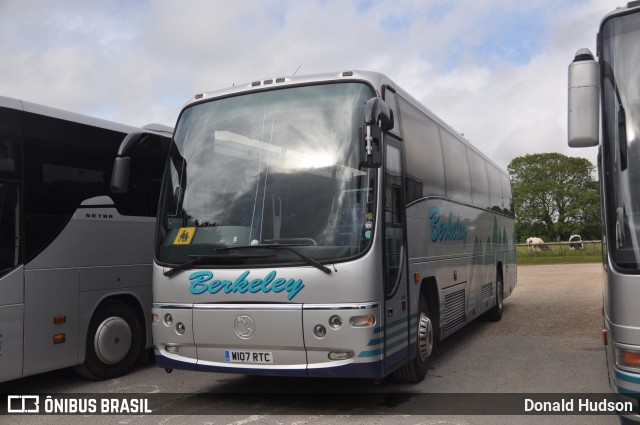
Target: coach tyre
(416,369)
(495,313)
(114,341)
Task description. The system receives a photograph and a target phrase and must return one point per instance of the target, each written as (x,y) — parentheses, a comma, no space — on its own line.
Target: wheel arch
(133,300)
(429,290)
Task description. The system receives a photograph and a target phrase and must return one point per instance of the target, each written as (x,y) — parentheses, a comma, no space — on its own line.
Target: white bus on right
(608,89)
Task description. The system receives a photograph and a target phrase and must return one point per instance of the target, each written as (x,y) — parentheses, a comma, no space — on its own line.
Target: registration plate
(247,356)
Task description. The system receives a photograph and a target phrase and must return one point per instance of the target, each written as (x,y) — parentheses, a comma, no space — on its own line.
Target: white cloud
(494,69)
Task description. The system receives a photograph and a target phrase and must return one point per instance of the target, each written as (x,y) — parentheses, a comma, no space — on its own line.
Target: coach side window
(507,200)
(9,227)
(456,168)
(394,216)
(495,188)
(479,182)
(10,144)
(68,163)
(423,151)
(390,98)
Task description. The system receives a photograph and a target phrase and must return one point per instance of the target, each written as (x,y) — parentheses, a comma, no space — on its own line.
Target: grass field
(559,254)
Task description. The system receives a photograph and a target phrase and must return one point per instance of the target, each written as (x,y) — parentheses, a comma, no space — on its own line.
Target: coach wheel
(416,369)
(495,313)
(114,341)
(425,336)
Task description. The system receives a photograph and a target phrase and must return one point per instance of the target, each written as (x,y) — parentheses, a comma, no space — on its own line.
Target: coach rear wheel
(495,313)
(114,341)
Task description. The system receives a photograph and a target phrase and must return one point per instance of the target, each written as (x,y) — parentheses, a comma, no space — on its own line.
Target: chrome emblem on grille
(244,326)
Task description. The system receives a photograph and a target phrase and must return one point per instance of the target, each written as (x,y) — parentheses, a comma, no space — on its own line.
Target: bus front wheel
(114,341)
(416,369)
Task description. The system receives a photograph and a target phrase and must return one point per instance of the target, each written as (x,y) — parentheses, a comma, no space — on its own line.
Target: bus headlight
(320,331)
(335,322)
(627,358)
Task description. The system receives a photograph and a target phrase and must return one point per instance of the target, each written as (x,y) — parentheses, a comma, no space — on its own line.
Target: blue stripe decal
(379,341)
(396,323)
(389,326)
(627,377)
(371,353)
(376,341)
(413,324)
(631,393)
(380,351)
(396,344)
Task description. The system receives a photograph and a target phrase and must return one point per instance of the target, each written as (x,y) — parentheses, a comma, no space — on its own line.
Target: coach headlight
(320,331)
(335,322)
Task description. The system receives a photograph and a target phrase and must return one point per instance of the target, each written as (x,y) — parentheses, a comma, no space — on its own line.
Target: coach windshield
(252,173)
(620,66)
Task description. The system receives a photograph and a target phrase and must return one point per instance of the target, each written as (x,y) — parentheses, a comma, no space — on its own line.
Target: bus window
(9,227)
(507,201)
(394,218)
(10,153)
(479,183)
(495,188)
(456,168)
(425,166)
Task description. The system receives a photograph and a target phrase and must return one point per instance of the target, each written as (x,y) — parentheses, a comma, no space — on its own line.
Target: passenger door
(396,326)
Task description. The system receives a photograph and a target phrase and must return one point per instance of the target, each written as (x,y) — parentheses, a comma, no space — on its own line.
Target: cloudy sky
(496,70)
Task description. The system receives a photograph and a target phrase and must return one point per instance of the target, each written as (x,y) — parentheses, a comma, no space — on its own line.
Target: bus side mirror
(377,116)
(584,104)
(121,175)
(122,164)
(377,111)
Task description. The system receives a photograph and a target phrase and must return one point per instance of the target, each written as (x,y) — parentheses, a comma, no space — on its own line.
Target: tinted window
(425,166)
(507,201)
(456,168)
(394,218)
(495,188)
(10,148)
(479,182)
(67,164)
(390,98)
(9,227)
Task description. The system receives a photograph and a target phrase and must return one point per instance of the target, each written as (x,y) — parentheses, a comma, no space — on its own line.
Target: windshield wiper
(203,259)
(288,247)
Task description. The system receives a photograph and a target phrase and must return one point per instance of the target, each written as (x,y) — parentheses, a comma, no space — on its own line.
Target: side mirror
(121,175)
(584,100)
(377,115)
(122,164)
(376,110)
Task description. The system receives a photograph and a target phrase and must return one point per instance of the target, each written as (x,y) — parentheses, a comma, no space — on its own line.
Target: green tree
(555,196)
